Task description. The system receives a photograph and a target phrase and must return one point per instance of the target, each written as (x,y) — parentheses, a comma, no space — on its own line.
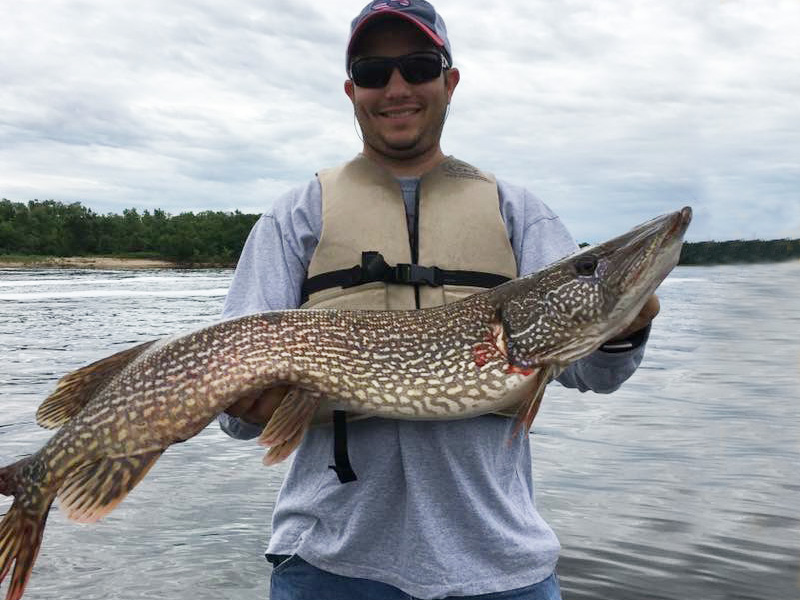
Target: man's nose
(397,84)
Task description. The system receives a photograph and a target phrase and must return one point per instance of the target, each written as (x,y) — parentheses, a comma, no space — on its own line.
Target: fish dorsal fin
(288,424)
(75,390)
(95,489)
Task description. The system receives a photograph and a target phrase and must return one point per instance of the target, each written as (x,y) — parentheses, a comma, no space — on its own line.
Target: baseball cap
(420,13)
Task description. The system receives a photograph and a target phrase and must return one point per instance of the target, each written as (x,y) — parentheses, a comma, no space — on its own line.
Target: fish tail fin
(20,530)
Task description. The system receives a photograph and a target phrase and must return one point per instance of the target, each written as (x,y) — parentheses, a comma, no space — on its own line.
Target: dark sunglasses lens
(372,72)
(415,69)
(420,69)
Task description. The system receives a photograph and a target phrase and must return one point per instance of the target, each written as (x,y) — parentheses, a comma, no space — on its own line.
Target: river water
(683,484)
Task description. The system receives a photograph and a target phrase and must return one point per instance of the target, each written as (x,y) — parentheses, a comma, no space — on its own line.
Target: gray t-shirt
(440,508)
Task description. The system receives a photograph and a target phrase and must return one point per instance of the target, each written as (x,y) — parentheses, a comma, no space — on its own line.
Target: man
(433,509)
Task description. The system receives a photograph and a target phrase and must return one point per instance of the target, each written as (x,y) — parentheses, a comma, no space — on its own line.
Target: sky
(611,112)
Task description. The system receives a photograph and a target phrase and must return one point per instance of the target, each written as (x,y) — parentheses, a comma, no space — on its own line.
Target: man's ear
(348,89)
(452,77)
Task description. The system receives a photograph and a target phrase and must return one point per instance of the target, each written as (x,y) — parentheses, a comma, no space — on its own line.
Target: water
(683,484)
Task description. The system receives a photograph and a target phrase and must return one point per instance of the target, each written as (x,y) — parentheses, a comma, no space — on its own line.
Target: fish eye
(586,265)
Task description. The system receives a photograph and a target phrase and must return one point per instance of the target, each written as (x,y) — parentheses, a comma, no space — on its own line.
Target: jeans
(295,579)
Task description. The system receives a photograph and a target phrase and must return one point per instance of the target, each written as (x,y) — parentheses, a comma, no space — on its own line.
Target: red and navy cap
(420,13)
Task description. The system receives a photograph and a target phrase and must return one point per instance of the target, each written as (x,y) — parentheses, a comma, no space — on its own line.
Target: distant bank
(52,234)
(83,262)
(693,254)
(37,230)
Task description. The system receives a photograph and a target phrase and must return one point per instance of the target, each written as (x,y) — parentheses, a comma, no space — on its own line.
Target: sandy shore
(87,262)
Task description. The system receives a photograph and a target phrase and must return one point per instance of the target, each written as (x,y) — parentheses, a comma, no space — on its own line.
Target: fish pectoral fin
(528,409)
(95,489)
(288,424)
(75,390)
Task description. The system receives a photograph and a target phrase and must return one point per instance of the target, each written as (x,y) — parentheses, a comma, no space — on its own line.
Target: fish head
(573,306)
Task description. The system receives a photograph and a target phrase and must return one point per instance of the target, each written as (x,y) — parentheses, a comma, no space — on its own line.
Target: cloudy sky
(611,111)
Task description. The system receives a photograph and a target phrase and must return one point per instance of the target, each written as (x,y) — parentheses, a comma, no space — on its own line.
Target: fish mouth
(668,252)
(660,241)
(680,223)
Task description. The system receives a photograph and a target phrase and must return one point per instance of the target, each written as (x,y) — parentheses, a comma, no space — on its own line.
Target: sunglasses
(417,67)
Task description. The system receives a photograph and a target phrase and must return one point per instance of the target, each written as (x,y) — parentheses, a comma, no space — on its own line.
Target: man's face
(400,120)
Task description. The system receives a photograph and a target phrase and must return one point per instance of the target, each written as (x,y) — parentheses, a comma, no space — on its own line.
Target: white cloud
(609,111)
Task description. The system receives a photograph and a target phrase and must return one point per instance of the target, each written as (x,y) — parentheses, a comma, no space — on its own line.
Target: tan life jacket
(365,259)
(461,240)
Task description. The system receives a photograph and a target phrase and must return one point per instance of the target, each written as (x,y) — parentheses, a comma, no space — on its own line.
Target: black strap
(341,460)
(633,341)
(373,267)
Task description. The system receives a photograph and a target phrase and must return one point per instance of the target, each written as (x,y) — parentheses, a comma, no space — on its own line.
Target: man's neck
(407,167)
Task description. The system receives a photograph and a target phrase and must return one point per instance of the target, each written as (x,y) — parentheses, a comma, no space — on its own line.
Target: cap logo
(381,5)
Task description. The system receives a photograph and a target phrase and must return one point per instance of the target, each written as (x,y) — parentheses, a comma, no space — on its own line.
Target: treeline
(739,251)
(51,228)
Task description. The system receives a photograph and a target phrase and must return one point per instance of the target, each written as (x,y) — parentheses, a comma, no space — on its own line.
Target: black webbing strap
(373,267)
(340,457)
(633,341)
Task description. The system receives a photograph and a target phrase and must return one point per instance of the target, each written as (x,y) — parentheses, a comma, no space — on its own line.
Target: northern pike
(494,351)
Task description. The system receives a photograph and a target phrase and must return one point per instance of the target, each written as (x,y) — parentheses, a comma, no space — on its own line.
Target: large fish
(494,351)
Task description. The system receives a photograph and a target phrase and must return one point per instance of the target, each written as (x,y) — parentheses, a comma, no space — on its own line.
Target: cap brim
(388,12)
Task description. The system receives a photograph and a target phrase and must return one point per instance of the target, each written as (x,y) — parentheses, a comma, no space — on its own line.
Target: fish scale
(492,352)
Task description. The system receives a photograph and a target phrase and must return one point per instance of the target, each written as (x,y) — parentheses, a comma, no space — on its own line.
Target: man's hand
(647,314)
(258,408)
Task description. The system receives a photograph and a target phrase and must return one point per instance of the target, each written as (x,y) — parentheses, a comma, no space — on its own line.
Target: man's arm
(269,276)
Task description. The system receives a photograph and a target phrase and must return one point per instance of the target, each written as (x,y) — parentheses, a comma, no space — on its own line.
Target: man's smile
(399,112)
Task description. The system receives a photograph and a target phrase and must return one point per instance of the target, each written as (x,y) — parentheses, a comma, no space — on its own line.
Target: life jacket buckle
(418,275)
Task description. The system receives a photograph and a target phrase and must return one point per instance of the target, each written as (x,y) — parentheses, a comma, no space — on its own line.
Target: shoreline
(93,262)
(113,262)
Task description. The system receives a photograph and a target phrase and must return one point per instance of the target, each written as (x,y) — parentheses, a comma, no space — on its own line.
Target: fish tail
(21,529)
